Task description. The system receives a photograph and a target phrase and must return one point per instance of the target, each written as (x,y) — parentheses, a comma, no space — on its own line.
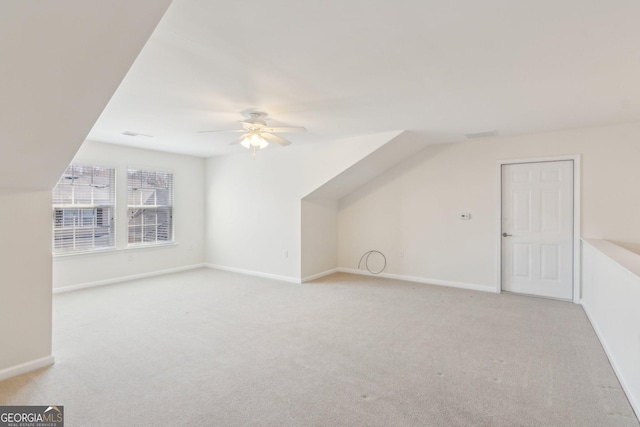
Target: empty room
(320,214)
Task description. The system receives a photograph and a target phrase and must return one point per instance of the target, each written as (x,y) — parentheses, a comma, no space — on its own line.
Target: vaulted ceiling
(440,68)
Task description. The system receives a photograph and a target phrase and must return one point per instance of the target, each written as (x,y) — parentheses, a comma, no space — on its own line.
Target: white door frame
(577,250)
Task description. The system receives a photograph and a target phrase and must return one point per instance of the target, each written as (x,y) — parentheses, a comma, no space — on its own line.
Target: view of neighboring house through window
(84,209)
(150,207)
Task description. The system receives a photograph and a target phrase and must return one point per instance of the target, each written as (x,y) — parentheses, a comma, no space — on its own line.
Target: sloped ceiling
(61,61)
(396,150)
(439,68)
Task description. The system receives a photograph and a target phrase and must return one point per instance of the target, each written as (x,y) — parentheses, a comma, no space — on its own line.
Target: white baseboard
(469,286)
(23,368)
(124,279)
(254,273)
(319,275)
(634,401)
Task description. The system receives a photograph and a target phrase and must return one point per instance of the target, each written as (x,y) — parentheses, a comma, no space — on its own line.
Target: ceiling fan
(257,135)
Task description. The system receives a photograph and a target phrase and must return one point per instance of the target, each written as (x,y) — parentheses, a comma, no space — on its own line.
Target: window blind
(84,209)
(150,207)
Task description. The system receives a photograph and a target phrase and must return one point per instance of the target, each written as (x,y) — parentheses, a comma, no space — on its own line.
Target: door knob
(506,235)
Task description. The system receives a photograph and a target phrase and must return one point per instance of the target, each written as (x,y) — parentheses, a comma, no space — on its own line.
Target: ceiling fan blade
(239,140)
(286,129)
(275,138)
(220,131)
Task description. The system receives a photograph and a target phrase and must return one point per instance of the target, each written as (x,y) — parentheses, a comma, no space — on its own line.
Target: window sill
(61,257)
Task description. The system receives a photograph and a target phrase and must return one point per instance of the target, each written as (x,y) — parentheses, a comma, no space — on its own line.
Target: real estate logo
(31,416)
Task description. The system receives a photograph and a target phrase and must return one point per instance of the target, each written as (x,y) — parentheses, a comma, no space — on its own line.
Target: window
(150,207)
(84,209)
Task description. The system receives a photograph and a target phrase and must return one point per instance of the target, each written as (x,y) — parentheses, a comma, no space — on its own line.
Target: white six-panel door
(537,228)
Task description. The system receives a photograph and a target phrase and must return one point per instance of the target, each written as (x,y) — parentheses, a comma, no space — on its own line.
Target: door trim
(577,250)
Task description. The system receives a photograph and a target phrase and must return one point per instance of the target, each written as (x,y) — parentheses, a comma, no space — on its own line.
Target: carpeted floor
(211,348)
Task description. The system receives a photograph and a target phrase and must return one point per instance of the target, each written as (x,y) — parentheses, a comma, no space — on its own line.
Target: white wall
(61,63)
(25,279)
(319,250)
(415,206)
(188,250)
(254,206)
(611,297)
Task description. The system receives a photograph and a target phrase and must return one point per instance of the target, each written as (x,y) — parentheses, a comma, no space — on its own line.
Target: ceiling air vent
(485,134)
(129,133)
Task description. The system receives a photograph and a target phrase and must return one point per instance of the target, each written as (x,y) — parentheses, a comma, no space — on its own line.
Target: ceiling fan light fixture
(254,140)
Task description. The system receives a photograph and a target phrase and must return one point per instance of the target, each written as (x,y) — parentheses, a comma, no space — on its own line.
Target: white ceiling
(440,68)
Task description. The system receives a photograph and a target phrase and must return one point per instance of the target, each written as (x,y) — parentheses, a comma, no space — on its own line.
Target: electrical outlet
(286,254)
(401,254)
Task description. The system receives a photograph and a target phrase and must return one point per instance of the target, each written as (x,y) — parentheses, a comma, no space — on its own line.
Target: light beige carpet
(210,348)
